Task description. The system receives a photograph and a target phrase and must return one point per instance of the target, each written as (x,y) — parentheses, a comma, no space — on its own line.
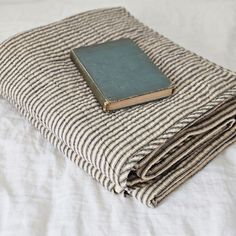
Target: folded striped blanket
(145,151)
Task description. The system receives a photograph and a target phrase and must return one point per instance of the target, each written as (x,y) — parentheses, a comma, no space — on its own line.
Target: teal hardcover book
(120,74)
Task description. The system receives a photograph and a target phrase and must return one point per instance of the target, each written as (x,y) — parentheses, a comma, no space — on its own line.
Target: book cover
(120,74)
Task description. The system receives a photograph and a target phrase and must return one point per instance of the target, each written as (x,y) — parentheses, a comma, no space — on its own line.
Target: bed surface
(42,193)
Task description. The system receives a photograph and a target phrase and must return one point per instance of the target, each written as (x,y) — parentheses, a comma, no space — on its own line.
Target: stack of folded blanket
(145,151)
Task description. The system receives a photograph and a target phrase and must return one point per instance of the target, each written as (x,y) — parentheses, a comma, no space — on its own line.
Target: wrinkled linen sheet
(145,151)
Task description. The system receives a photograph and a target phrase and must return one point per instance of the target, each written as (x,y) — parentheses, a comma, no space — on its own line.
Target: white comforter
(42,193)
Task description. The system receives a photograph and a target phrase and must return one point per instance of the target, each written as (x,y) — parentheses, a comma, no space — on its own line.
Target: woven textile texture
(145,151)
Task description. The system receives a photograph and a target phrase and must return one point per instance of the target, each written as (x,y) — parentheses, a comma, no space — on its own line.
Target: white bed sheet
(42,193)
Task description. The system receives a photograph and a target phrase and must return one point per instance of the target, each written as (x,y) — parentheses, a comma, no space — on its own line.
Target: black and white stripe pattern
(146,150)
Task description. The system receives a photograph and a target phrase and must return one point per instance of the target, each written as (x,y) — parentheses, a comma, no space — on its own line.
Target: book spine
(96,91)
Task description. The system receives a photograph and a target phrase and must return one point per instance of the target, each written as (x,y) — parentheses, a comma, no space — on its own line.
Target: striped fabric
(145,151)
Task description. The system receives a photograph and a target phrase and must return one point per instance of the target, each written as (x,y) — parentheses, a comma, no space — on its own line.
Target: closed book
(120,74)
